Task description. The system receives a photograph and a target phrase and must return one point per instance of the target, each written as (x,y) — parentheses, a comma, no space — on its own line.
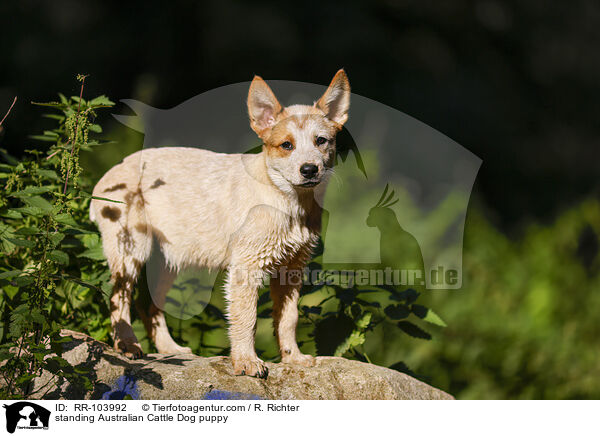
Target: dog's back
(197,204)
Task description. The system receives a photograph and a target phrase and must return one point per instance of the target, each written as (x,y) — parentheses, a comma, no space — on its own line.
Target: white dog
(253,214)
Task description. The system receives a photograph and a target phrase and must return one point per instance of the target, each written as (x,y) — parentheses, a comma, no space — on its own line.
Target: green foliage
(50,270)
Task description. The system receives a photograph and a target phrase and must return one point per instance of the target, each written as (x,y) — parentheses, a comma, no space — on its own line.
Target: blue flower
(125,386)
(226,395)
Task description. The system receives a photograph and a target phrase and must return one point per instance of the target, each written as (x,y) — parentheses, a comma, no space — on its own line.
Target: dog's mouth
(309,184)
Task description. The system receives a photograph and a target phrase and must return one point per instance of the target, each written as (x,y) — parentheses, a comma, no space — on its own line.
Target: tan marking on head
(300,120)
(278,136)
(302,127)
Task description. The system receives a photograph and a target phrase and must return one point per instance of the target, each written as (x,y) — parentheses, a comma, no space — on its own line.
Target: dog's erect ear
(336,100)
(263,106)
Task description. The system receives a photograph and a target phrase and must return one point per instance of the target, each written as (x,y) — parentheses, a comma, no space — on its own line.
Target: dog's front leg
(242,295)
(285,292)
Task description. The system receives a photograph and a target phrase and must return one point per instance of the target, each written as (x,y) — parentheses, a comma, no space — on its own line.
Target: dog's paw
(130,349)
(299,359)
(252,366)
(174,349)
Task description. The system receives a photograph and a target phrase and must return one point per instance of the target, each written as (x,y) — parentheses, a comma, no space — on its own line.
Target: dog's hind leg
(123,279)
(127,246)
(154,316)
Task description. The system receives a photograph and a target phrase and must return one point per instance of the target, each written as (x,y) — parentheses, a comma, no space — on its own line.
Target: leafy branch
(46,238)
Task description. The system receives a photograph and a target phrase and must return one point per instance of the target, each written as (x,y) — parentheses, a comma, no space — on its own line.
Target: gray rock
(190,377)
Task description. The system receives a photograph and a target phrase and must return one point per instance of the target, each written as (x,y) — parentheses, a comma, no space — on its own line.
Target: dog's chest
(290,241)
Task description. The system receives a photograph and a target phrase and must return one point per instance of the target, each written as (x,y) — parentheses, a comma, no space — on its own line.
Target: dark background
(515,82)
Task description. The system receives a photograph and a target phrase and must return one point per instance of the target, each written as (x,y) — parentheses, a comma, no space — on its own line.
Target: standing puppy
(253,214)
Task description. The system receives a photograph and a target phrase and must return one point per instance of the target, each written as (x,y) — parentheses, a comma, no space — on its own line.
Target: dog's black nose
(309,170)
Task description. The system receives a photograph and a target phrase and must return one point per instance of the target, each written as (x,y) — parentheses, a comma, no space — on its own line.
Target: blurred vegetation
(524,325)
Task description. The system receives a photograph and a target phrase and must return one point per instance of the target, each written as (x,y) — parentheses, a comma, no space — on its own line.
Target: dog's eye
(321,140)
(287,145)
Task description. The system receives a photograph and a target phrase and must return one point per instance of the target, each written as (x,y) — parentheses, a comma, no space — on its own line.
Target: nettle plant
(52,268)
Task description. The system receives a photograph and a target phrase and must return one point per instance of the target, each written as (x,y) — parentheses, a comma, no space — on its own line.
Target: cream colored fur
(248,213)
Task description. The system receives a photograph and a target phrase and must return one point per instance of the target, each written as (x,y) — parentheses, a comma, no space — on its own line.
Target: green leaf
(54,117)
(65,218)
(53,104)
(55,238)
(37,316)
(364,320)
(23,281)
(59,256)
(32,211)
(6,232)
(77,231)
(413,330)
(28,231)
(91,240)
(93,253)
(12,214)
(81,282)
(10,291)
(39,202)
(5,355)
(24,379)
(47,173)
(428,315)
(21,242)
(355,339)
(101,100)
(45,138)
(32,190)
(10,274)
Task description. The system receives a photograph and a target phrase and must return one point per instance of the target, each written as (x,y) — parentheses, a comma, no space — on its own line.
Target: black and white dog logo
(26,415)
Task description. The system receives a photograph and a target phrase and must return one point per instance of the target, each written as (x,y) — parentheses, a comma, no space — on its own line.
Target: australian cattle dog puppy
(252,214)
